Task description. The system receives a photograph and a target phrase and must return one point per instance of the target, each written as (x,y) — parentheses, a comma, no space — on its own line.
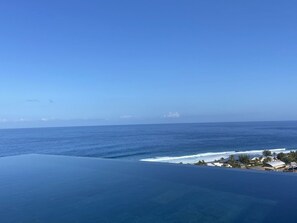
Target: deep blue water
(145,141)
(54,189)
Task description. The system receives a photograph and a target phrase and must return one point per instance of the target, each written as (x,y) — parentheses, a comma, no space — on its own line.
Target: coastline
(280,159)
(210,156)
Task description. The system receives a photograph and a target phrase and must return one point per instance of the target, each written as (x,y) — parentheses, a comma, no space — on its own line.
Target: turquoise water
(52,189)
(136,142)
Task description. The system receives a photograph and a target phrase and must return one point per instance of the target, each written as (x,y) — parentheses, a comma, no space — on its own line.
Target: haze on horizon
(66,63)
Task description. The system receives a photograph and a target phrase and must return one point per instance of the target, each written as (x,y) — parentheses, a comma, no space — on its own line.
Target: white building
(276,164)
(217,164)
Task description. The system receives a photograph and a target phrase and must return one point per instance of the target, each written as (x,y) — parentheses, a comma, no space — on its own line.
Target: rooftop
(276,163)
(47,189)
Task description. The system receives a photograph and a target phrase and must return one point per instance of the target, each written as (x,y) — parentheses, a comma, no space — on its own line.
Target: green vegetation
(201,163)
(288,157)
(244,159)
(266,160)
(266,153)
(256,162)
(231,159)
(281,156)
(234,163)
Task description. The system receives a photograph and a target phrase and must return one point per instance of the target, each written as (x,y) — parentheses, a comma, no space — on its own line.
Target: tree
(288,157)
(243,158)
(266,153)
(201,163)
(281,156)
(231,158)
(232,161)
(266,160)
(293,156)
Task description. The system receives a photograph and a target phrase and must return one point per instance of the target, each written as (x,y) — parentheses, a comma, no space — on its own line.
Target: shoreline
(281,159)
(211,156)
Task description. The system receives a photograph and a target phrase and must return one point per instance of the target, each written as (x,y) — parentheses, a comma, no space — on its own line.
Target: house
(273,165)
(262,159)
(292,166)
(227,165)
(217,164)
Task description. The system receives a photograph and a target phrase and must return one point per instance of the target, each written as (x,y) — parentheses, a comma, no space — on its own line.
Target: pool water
(49,189)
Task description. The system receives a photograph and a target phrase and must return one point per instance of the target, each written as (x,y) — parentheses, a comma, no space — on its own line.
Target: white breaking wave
(208,157)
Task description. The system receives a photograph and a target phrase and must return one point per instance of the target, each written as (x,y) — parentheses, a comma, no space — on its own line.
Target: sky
(102,62)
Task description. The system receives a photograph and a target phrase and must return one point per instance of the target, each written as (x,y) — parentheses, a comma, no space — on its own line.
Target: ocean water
(164,143)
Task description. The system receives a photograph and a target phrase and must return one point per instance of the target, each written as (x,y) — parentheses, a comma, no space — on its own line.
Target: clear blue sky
(146,61)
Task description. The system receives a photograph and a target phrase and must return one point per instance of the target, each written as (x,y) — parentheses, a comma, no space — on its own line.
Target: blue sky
(126,62)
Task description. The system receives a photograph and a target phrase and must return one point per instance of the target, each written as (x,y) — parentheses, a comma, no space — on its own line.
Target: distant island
(283,162)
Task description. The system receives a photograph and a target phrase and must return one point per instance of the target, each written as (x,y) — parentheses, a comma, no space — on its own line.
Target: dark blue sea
(164,142)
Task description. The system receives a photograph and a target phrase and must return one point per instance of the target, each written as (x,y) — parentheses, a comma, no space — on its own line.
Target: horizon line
(136,124)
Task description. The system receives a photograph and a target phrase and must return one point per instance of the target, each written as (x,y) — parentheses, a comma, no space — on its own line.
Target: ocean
(161,142)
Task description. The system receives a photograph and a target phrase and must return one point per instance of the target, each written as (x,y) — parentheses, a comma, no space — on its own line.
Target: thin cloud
(172,115)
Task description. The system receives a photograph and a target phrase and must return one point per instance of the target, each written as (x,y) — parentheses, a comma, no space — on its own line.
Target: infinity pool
(52,189)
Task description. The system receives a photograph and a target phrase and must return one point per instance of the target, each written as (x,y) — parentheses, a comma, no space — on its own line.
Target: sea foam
(209,157)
